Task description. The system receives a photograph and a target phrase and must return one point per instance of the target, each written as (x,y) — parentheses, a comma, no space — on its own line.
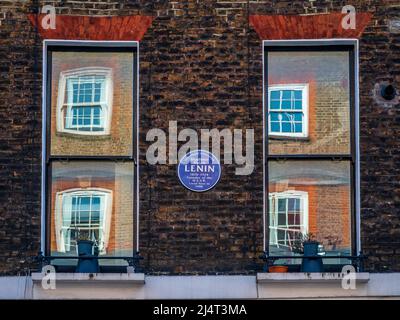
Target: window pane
(326,75)
(298,105)
(92,103)
(287,127)
(297,116)
(275,127)
(282,205)
(274,116)
(287,95)
(286,104)
(317,195)
(93,200)
(275,104)
(282,219)
(275,95)
(298,127)
(298,94)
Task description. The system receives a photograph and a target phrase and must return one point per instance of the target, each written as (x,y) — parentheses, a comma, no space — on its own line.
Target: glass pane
(286,104)
(282,205)
(298,105)
(275,127)
(326,75)
(92,200)
(92,103)
(275,95)
(287,127)
(275,104)
(321,204)
(286,94)
(274,116)
(282,219)
(298,94)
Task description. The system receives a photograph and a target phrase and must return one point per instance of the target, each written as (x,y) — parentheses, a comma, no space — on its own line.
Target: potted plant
(307,245)
(87,262)
(84,243)
(278,268)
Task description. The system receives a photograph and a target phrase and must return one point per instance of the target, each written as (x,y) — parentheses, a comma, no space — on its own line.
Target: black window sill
(328,268)
(103,269)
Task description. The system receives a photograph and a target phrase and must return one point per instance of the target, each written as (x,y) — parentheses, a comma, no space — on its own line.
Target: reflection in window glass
(288,110)
(85,107)
(314,117)
(288,218)
(310,197)
(84,213)
(92,200)
(92,99)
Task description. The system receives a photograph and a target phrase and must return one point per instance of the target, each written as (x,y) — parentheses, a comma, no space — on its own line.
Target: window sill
(301,277)
(86,136)
(134,278)
(291,138)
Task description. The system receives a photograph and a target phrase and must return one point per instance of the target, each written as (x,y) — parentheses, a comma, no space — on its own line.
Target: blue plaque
(199,170)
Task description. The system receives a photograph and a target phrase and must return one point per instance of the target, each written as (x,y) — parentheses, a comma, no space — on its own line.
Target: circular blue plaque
(199,170)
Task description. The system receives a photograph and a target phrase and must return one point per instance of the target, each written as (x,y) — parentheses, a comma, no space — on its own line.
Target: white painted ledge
(310,285)
(380,285)
(300,277)
(137,278)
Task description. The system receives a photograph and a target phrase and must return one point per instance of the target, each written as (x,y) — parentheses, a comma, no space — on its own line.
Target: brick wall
(201,65)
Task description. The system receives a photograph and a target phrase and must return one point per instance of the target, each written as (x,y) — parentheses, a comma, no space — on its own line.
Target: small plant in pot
(280,266)
(84,243)
(87,262)
(307,245)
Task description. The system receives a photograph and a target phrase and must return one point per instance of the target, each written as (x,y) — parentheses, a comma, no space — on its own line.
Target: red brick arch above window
(126,28)
(318,26)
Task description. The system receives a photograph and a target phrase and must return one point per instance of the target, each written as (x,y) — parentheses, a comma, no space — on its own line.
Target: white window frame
(106,103)
(304,110)
(60,211)
(47,43)
(290,194)
(315,43)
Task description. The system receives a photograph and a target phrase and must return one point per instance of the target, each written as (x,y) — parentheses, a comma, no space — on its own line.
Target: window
(83,211)
(90,151)
(288,213)
(85,101)
(309,92)
(288,110)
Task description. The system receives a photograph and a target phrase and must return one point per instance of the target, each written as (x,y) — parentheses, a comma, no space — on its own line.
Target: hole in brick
(388,92)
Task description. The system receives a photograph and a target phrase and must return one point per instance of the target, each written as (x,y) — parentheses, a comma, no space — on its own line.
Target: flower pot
(85,247)
(87,262)
(278,269)
(311,262)
(310,248)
